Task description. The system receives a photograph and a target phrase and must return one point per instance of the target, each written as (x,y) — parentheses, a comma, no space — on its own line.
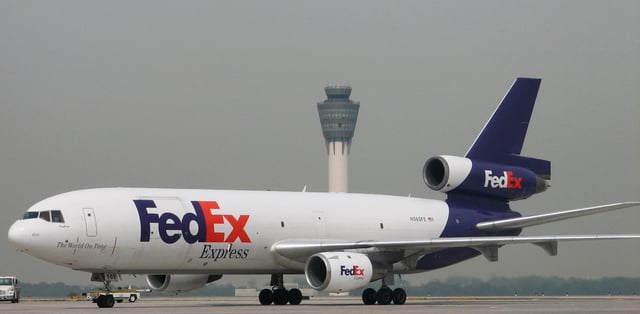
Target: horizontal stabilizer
(522,222)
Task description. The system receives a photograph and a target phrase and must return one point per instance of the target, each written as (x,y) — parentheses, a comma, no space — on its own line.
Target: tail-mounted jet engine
(338,271)
(459,174)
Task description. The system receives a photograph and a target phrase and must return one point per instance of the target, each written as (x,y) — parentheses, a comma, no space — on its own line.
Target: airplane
(183,239)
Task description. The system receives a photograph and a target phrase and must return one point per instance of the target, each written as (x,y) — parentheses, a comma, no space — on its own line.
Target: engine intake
(445,173)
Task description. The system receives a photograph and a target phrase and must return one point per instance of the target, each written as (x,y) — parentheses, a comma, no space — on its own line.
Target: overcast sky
(206,94)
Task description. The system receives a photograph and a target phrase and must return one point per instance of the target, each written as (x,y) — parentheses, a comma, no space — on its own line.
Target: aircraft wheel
(100,301)
(369,296)
(280,296)
(265,297)
(399,296)
(133,298)
(105,301)
(294,296)
(383,296)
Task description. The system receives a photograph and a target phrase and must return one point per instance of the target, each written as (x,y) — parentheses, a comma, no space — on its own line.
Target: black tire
(100,301)
(369,296)
(110,301)
(383,296)
(119,300)
(133,298)
(265,297)
(294,296)
(399,296)
(105,301)
(280,296)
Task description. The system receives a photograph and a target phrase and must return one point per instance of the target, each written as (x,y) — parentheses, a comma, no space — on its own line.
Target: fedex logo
(355,271)
(506,181)
(171,227)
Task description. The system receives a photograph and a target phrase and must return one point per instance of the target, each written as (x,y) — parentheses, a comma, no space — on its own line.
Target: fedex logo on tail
(506,181)
(171,227)
(355,271)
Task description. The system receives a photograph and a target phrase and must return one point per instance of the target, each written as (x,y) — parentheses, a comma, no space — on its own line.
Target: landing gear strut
(105,300)
(278,294)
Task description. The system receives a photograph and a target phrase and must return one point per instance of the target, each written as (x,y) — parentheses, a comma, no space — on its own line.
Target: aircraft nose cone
(17,235)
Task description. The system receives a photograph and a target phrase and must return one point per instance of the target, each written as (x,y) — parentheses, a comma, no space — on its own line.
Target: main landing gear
(278,294)
(384,296)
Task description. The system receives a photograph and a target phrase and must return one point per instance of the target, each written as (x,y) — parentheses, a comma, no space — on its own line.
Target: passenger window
(45,215)
(56,216)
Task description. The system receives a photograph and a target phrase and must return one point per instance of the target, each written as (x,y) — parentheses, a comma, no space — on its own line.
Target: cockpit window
(30,215)
(45,215)
(56,216)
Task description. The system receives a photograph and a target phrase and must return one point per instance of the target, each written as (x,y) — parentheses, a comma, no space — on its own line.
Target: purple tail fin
(502,137)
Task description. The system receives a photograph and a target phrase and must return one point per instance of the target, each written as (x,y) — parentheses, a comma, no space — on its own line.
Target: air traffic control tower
(338,115)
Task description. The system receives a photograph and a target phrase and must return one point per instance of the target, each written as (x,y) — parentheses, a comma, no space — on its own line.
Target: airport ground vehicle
(9,289)
(119,295)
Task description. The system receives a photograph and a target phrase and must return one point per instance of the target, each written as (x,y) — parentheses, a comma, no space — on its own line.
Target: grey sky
(222,95)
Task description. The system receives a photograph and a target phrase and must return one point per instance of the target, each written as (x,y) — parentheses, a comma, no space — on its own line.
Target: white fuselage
(104,231)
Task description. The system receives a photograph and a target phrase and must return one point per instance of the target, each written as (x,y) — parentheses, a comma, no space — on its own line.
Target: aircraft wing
(302,249)
(529,221)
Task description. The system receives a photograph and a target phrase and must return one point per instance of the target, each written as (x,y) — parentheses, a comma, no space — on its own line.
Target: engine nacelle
(463,175)
(179,283)
(338,271)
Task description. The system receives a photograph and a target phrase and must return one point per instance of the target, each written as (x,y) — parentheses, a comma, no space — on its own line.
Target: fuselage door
(90,222)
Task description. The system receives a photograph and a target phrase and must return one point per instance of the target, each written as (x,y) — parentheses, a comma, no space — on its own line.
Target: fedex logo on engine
(355,271)
(506,181)
(171,227)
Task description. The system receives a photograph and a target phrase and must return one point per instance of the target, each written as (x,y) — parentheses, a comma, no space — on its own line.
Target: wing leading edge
(302,249)
(529,221)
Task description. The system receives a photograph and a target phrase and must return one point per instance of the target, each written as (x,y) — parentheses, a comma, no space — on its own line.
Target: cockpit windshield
(30,215)
(47,215)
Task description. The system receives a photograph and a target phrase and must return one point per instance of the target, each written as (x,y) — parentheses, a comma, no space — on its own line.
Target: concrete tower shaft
(338,116)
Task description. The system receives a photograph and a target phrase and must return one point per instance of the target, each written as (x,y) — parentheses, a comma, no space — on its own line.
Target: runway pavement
(452,305)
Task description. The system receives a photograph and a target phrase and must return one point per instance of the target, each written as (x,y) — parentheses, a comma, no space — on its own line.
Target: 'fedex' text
(355,271)
(171,227)
(506,181)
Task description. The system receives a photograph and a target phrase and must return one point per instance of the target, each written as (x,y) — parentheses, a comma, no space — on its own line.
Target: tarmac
(449,305)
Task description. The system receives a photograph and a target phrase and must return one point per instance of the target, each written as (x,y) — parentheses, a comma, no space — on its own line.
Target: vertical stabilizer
(501,139)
